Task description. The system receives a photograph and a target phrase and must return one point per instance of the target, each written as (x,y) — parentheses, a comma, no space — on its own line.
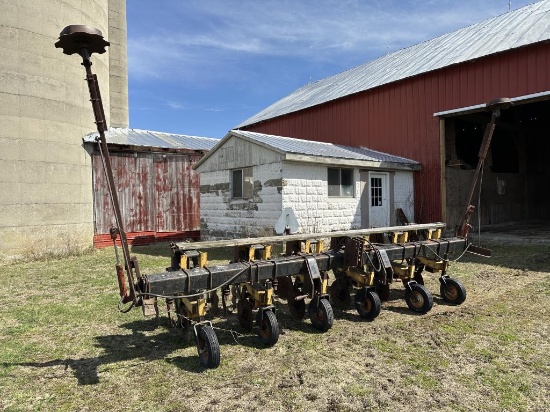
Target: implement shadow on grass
(124,347)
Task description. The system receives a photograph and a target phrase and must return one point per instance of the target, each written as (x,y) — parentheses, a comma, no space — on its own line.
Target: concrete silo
(45,172)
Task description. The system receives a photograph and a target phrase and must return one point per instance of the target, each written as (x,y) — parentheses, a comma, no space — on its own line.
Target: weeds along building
(46,201)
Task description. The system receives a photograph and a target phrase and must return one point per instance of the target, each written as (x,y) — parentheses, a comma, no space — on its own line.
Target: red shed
(427,103)
(157,186)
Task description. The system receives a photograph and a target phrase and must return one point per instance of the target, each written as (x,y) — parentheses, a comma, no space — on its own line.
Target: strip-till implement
(300,274)
(190,286)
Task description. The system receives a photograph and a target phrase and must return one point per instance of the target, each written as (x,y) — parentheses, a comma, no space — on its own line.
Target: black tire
(367,303)
(321,316)
(452,291)
(208,347)
(383,292)
(244,312)
(269,329)
(340,293)
(418,298)
(297,308)
(284,286)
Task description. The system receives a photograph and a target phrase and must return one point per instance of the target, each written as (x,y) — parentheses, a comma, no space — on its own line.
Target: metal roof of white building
(518,28)
(311,151)
(146,138)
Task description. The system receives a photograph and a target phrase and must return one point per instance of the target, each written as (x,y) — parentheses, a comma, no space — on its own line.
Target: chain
(234,333)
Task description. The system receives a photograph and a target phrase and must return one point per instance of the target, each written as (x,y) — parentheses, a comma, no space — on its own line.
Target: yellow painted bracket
(399,237)
(403,270)
(187,259)
(196,308)
(262,295)
(314,246)
(361,278)
(433,265)
(433,234)
(249,251)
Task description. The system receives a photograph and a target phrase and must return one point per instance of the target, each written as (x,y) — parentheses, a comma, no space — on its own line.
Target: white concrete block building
(248,179)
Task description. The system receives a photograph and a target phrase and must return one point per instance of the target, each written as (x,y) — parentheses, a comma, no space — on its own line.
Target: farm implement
(366,261)
(190,287)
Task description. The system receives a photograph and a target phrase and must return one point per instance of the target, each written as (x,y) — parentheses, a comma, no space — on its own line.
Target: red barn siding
(158,194)
(398,118)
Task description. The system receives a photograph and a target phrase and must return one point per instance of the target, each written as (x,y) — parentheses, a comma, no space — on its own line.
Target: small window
(340,182)
(242,183)
(376,191)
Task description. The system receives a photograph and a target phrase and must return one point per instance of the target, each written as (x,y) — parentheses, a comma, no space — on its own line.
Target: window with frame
(242,183)
(340,182)
(376,191)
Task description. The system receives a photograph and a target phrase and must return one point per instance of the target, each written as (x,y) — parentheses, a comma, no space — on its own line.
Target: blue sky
(201,67)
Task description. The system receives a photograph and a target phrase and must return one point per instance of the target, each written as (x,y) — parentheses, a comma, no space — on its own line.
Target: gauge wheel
(269,328)
(367,303)
(321,315)
(208,347)
(418,298)
(452,291)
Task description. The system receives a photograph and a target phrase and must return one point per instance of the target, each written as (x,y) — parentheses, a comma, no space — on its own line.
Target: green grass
(64,346)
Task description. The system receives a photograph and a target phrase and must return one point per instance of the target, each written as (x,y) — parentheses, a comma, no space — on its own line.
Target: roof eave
(340,162)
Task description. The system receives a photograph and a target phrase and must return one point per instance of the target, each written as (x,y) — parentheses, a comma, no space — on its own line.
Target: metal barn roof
(518,28)
(146,138)
(311,150)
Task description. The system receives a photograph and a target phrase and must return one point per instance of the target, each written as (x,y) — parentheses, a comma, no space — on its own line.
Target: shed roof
(518,28)
(319,152)
(146,138)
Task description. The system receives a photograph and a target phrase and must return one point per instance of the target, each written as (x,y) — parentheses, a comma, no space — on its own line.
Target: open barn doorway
(516,173)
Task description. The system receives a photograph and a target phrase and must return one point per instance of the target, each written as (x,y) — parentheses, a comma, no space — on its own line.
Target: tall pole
(85,41)
(495,106)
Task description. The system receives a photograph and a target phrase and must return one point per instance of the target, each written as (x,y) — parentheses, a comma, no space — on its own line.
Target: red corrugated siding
(158,193)
(146,238)
(398,118)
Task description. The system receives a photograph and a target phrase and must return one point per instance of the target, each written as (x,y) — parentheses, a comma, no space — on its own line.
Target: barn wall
(157,193)
(398,118)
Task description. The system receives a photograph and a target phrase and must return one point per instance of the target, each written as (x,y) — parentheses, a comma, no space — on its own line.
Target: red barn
(427,103)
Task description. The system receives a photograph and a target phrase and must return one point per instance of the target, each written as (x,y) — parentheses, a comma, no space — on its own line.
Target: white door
(378,199)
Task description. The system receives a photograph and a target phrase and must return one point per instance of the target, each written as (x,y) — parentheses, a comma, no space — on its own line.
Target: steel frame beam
(199,279)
